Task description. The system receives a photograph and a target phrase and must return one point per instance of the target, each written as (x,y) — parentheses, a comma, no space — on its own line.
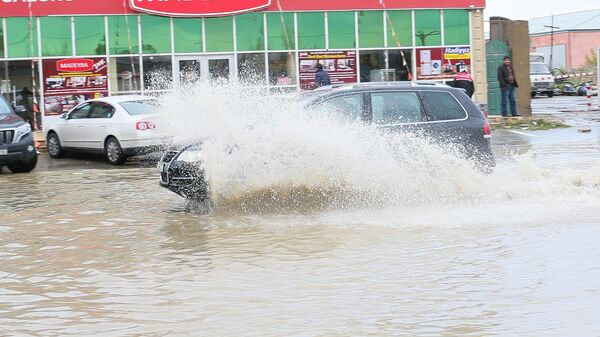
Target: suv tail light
(487,130)
(145,125)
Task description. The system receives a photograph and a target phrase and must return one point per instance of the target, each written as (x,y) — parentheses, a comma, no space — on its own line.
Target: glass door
(191,69)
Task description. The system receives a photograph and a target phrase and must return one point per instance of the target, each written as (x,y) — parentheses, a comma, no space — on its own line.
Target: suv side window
(101,110)
(442,106)
(346,108)
(80,112)
(396,107)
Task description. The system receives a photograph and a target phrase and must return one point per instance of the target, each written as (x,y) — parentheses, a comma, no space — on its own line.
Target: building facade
(67,51)
(572,42)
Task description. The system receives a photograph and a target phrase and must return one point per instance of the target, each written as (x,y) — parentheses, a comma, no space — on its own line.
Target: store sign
(16,8)
(442,63)
(75,65)
(457,53)
(340,65)
(68,82)
(197,7)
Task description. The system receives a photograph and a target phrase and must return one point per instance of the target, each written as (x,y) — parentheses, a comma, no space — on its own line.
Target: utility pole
(552,28)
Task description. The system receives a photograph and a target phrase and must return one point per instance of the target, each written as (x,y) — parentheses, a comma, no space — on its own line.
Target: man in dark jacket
(464,81)
(321,76)
(508,84)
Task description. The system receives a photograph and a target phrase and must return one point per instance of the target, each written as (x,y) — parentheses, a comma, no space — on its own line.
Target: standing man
(321,76)
(508,84)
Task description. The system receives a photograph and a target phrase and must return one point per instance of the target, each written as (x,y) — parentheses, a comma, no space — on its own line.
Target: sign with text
(442,63)
(14,8)
(68,82)
(340,65)
(197,7)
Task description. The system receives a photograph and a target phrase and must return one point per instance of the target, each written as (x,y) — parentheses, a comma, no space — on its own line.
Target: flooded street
(107,252)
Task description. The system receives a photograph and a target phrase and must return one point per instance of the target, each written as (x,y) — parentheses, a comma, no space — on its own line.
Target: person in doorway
(321,76)
(464,81)
(508,85)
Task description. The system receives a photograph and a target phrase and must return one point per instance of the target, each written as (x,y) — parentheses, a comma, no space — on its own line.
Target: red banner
(340,65)
(13,8)
(68,82)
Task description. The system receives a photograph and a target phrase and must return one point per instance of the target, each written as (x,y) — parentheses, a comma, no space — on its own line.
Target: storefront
(69,50)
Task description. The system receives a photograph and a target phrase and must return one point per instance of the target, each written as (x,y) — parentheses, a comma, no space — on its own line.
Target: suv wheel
(114,152)
(54,148)
(23,167)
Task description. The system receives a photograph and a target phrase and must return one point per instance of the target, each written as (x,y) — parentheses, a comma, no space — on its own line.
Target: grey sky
(529,9)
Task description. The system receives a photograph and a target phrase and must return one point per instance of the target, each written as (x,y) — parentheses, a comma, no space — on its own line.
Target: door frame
(204,69)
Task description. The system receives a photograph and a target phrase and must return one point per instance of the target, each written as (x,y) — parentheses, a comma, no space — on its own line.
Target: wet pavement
(91,249)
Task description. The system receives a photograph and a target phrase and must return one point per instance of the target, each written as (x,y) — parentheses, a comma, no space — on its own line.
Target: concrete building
(577,37)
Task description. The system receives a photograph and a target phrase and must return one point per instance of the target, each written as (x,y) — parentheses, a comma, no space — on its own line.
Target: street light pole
(552,28)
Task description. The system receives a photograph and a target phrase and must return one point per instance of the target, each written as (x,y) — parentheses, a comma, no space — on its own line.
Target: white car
(118,126)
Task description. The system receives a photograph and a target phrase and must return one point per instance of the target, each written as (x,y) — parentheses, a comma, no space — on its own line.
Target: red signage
(340,65)
(68,82)
(197,7)
(14,8)
(75,65)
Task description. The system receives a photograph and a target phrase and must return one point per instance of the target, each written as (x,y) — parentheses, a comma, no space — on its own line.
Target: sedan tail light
(145,125)
(487,130)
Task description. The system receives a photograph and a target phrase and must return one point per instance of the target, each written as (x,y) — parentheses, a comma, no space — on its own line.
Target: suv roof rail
(349,86)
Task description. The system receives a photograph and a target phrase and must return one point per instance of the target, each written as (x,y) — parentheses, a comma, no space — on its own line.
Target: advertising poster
(68,82)
(341,66)
(442,63)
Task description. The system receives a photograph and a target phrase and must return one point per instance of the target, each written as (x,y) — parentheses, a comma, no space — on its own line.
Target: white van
(542,80)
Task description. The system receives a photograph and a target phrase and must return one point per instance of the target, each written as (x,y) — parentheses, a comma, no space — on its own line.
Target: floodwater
(109,253)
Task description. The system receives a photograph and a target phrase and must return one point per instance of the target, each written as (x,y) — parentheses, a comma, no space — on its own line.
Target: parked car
(118,126)
(444,113)
(17,147)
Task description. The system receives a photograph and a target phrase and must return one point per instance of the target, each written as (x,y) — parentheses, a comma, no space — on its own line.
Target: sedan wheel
(54,147)
(114,153)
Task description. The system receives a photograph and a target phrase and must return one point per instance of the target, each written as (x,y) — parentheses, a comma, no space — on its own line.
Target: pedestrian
(321,76)
(464,81)
(508,85)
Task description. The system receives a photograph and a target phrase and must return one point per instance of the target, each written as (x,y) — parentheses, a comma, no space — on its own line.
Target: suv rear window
(396,107)
(442,106)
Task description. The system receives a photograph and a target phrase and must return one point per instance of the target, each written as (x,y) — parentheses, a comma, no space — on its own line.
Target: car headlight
(22,131)
(190,156)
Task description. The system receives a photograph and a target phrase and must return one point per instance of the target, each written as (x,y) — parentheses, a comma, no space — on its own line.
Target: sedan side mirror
(64,116)
(20,109)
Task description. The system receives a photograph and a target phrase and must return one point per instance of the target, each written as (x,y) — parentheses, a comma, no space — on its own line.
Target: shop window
(280,28)
(124,73)
(21,37)
(456,27)
(250,32)
(90,37)
(219,34)
(156,34)
(158,72)
(251,69)
(340,26)
(282,68)
(123,34)
(188,35)
(370,29)
(56,36)
(399,29)
(311,30)
(17,87)
(428,27)
(383,66)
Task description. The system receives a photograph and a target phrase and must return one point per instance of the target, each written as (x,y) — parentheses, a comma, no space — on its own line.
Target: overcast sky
(529,9)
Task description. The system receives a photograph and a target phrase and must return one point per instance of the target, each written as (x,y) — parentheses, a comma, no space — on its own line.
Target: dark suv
(444,114)
(17,150)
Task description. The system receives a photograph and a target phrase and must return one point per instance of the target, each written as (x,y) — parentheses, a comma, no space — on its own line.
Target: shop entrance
(190,69)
